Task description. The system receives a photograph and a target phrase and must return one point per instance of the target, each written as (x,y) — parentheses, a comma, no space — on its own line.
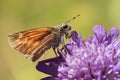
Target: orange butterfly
(35,42)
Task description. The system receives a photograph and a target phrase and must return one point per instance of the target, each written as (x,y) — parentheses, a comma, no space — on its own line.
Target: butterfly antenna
(73,18)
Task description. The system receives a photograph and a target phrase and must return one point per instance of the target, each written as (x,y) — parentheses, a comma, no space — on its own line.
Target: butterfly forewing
(32,41)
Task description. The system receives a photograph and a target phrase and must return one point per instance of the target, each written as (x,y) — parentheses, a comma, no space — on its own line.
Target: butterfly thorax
(60,31)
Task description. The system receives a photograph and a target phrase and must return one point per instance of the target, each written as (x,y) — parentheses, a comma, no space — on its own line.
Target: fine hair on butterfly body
(35,42)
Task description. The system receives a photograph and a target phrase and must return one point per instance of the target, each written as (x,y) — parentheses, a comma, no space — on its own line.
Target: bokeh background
(18,15)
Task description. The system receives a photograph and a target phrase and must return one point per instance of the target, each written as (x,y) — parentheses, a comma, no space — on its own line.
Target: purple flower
(96,58)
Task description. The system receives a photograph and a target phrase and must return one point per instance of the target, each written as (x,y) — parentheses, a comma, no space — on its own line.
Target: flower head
(96,58)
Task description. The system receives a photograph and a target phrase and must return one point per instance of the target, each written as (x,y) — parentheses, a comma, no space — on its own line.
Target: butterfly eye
(65,26)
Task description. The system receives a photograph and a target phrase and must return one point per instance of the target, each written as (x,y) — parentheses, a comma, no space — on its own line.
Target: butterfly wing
(32,41)
(46,43)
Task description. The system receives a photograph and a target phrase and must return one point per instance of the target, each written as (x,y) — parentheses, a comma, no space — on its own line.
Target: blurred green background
(18,15)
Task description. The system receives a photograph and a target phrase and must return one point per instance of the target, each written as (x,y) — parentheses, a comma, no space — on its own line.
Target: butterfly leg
(55,51)
(62,42)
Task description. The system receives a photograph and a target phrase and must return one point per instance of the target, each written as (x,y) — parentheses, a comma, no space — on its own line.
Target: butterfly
(34,42)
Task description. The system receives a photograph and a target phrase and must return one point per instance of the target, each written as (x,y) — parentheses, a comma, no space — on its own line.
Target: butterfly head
(65,28)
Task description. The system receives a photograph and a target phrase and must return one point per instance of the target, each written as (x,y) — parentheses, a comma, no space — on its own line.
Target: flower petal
(69,48)
(99,33)
(89,39)
(113,34)
(50,78)
(75,37)
(116,44)
(49,66)
(117,67)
